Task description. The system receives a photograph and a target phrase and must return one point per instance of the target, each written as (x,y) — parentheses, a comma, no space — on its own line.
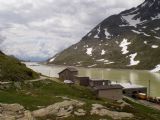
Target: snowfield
(129,19)
(96,36)
(107,33)
(156,69)
(51,60)
(93,65)
(103,52)
(89,51)
(155,46)
(124,45)
(138,32)
(132,61)
(145,42)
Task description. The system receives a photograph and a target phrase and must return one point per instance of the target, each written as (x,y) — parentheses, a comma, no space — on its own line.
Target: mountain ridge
(127,40)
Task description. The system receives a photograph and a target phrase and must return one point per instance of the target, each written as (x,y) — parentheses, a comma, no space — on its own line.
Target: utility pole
(149,87)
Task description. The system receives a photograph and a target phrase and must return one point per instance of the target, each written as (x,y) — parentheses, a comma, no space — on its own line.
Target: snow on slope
(129,19)
(155,46)
(51,60)
(89,51)
(124,45)
(103,52)
(132,61)
(107,33)
(156,69)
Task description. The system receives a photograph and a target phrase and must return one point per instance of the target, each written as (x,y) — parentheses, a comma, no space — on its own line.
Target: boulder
(60,109)
(80,112)
(14,112)
(103,111)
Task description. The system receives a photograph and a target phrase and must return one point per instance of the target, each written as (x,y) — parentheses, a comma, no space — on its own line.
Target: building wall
(131,91)
(113,94)
(93,83)
(83,81)
(67,75)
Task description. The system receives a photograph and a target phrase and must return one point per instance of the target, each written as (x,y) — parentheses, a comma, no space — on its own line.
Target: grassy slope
(13,70)
(44,93)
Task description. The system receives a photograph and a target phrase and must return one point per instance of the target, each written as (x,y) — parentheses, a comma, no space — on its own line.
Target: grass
(43,93)
(144,113)
(13,70)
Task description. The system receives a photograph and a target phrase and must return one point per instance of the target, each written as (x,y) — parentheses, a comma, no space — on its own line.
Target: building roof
(108,87)
(130,86)
(99,80)
(72,69)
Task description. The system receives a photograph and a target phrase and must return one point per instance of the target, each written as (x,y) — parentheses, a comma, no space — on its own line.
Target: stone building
(112,92)
(68,74)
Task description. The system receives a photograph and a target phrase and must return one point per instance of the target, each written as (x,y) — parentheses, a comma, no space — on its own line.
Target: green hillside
(12,69)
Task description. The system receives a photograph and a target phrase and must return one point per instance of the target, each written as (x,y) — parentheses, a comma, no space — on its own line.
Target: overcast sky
(38,29)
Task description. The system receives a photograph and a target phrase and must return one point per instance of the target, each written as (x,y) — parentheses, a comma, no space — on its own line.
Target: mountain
(129,40)
(12,69)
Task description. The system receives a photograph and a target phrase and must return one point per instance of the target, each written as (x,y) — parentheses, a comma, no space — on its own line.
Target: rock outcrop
(103,111)
(60,109)
(14,112)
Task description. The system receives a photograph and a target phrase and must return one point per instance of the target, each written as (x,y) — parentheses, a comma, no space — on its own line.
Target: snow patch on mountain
(157,37)
(132,22)
(98,30)
(155,46)
(107,33)
(156,69)
(89,51)
(132,60)
(109,63)
(89,34)
(52,59)
(75,48)
(92,65)
(145,42)
(138,32)
(105,61)
(124,45)
(157,28)
(144,4)
(123,25)
(103,52)
(156,17)
(85,46)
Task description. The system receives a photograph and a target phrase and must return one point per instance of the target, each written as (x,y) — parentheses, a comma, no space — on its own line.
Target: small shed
(68,73)
(113,92)
(96,82)
(131,90)
(83,81)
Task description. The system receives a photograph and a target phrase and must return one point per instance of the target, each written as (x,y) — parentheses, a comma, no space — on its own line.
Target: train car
(141,96)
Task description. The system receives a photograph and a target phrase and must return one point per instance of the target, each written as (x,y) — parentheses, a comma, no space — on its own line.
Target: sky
(38,29)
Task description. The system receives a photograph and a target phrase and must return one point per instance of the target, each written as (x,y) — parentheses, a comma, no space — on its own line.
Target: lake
(139,77)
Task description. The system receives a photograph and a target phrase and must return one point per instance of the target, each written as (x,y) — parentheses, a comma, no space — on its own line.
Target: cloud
(38,29)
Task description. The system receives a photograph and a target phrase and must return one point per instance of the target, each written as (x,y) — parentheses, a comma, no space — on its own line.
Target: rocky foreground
(59,110)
